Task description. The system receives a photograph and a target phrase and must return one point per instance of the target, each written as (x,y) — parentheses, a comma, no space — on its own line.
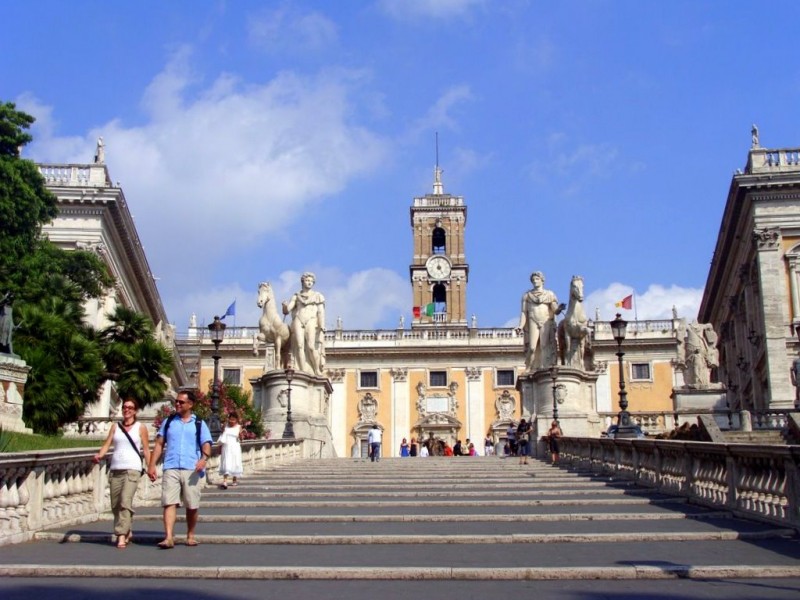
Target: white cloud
(432,9)
(654,304)
(574,168)
(439,115)
(363,300)
(246,159)
(290,29)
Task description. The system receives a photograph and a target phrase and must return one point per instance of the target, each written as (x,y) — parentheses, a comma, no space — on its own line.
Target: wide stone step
(433,519)
(601,560)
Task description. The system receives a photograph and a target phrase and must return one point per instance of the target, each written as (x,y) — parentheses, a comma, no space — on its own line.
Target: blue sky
(258,140)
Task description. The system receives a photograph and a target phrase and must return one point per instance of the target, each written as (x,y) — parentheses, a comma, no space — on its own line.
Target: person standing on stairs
(188,448)
(131,445)
(374,439)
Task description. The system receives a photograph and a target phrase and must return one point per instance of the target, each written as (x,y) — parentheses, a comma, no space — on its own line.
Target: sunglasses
(179,402)
(128,408)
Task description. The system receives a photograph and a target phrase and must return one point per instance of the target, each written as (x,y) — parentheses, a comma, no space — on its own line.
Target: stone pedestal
(686,400)
(310,408)
(13,375)
(576,397)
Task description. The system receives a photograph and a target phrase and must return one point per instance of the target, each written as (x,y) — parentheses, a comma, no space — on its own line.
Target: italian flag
(427,310)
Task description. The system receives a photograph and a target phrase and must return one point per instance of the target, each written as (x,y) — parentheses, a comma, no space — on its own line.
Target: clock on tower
(439,270)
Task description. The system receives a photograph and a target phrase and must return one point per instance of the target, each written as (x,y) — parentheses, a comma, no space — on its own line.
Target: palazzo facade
(442,375)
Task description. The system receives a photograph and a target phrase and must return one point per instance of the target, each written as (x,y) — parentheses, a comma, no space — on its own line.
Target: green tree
(135,361)
(65,360)
(25,203)
(69,360)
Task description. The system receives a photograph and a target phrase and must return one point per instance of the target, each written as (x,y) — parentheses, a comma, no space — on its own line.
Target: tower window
(438,241)
(439,298)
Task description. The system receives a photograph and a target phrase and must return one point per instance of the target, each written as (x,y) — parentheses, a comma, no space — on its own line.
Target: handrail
(752,480)
(64,487)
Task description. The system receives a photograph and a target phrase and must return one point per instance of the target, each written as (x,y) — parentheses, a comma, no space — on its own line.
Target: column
(338,410)
(401,426)
(476,420)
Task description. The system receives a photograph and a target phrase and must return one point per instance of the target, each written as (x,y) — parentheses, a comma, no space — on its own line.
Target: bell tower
(439,269)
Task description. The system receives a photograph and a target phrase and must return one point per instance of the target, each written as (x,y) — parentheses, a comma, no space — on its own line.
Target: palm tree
(135,361)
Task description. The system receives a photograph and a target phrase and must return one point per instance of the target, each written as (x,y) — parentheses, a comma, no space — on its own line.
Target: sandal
(166,544)
(122,542)
(129,537)
(192,542)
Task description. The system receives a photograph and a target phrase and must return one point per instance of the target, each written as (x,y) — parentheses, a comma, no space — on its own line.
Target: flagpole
(635,311)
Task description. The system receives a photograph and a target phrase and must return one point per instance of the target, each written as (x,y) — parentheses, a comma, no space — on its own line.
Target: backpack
(197,423)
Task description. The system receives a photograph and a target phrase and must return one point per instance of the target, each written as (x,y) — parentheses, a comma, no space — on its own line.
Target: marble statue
(573,331)
(754,135)
(100,153)
(271,328)
(474,322)
(6,324)
(193,320)
(538,322)
(402,322)
(701,354)
(307,308)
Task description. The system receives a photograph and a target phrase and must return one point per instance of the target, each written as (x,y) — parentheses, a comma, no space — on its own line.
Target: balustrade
(62,487)
(761,482)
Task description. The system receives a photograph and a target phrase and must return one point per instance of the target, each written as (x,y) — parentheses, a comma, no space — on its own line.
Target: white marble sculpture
(100,152)
(307,308)
(573,331)
(701,354)
(272,329)
(538,322)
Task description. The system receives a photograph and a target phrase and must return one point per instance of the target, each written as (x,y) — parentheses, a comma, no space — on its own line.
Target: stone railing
(655,422)
(64,487)
(754,481)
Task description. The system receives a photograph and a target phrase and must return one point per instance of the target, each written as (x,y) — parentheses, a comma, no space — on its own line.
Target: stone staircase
(772,437)
(435,519)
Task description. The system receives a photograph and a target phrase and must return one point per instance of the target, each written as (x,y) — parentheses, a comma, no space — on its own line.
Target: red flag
(416,312)
(626,302)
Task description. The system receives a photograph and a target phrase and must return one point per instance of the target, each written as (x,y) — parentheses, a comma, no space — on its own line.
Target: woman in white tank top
(126,467)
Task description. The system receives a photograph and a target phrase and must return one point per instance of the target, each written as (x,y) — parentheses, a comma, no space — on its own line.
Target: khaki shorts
(181,486)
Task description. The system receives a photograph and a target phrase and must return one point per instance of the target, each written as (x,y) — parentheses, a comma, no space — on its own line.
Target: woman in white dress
(230,462)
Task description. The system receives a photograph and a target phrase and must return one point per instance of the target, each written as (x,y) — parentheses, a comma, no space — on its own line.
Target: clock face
(438,267)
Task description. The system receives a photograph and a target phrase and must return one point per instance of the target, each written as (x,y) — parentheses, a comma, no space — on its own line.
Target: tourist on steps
(130,446)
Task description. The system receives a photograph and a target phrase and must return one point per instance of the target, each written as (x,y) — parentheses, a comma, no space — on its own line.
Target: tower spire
(438,189)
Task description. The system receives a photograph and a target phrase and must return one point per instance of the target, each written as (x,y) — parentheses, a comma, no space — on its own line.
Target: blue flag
(231,312)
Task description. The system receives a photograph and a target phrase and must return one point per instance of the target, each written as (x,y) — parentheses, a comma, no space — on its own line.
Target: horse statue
(272,329)
(573,331)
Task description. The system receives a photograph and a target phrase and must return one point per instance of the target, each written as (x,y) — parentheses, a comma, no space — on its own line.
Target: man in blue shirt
(184,466)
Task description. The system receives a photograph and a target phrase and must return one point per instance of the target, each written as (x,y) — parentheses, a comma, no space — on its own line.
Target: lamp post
(217,329)
(288,430)
(554,376)
(625,428)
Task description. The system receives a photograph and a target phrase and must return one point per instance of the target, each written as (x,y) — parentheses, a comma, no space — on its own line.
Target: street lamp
(554,376)
(624,426)
(288,430)
(217,329)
